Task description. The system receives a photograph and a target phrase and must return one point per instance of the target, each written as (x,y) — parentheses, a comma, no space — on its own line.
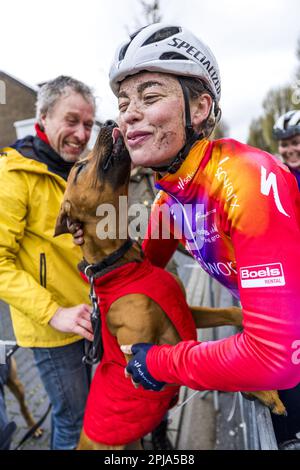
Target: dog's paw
(237,316)
(38,433)
(268,398)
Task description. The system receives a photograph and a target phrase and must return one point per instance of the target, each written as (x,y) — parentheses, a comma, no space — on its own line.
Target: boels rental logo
(262,275)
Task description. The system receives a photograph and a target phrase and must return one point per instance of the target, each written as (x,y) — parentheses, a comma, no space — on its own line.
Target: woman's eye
(123,107)
(150,98)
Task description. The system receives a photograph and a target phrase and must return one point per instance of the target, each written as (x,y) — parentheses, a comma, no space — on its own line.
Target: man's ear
(63,219)
(42,121)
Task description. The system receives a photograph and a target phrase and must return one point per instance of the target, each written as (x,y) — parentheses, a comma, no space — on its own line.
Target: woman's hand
(137,368)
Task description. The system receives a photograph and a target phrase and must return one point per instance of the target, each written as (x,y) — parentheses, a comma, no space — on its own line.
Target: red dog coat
(116,412)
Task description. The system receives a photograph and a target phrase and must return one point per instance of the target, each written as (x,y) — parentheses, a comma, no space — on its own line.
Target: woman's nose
(289,150)
(133,113)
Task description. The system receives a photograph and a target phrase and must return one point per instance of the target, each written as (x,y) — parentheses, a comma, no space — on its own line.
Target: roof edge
(33,88)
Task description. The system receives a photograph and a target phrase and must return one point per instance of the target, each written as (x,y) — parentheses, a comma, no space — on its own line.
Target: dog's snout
(110,123)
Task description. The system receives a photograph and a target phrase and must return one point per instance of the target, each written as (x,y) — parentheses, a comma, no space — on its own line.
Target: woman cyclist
(231,204)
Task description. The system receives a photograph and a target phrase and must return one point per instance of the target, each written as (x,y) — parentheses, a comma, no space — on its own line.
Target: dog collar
(96,269)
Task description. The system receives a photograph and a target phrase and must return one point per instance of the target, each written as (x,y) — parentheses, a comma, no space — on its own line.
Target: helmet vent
(123,51)
(172,56)
(162,34)
(125,47)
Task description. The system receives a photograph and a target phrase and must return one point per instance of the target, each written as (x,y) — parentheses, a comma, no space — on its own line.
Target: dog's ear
(63,219)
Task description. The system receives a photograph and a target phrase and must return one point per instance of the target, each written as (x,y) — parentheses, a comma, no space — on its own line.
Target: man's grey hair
(52,91)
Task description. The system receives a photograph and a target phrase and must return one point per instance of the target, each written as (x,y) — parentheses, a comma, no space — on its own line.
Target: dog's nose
(110,123)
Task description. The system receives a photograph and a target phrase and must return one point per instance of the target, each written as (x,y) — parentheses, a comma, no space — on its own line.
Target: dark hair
(196,87)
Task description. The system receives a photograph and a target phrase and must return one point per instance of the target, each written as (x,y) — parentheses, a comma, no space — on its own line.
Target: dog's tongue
(115,134)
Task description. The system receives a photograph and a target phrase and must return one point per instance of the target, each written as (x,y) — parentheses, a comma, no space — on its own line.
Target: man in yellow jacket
(38,273)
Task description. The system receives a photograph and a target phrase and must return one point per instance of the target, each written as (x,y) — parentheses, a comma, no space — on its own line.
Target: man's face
(68,125)
(289,149)
(151,118)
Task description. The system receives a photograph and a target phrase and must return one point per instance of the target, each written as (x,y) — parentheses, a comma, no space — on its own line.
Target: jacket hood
(15,161)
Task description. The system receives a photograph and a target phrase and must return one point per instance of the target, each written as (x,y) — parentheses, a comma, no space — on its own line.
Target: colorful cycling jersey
(237,211)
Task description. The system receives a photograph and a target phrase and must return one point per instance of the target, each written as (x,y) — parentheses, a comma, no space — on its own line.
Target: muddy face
(98,179)
(151,117)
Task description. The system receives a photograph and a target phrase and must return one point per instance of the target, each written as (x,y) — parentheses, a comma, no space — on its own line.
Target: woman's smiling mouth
(136,138)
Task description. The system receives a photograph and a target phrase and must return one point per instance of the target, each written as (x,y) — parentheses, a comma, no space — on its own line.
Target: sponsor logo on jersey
(226,269)
(270,182)
(182,182)
(229,192)
(262,275)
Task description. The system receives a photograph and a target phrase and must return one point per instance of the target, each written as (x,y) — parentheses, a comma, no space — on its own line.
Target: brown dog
(132,317)
(17,389)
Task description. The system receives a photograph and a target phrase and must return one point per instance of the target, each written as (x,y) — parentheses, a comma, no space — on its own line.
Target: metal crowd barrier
(7,348)
(254,418)
(251,417)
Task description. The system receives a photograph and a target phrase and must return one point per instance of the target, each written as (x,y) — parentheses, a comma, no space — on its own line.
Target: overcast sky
(254,42)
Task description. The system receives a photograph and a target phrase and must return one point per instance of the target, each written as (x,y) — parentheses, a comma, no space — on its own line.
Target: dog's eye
(80,163)
(79,167)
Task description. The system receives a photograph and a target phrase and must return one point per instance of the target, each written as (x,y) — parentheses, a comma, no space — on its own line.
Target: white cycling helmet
(169,49)
(287,125)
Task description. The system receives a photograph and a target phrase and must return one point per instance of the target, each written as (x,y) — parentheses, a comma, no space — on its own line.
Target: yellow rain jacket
(30,257)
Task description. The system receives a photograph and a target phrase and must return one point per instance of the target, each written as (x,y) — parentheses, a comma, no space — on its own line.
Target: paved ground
(35,393)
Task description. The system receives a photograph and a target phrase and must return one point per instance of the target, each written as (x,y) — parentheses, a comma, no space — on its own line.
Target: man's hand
(75,229)
(74,320)
(137,367)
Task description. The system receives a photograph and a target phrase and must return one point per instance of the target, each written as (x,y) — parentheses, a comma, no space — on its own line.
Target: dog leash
(93,349)
(178,407)
(13,348)
(32,430)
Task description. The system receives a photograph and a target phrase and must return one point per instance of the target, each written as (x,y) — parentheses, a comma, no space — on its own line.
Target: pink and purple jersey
(237,211)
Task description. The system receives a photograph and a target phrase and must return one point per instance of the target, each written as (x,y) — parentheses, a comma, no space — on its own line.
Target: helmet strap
(191,136)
